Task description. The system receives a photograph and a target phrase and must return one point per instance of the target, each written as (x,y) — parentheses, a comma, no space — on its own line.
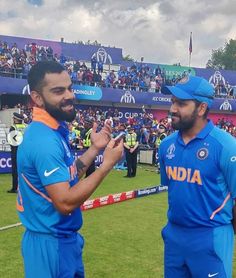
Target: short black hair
(39,70)
(197,103)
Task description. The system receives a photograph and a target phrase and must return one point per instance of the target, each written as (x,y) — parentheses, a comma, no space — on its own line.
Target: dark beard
(58,113)
(184,124)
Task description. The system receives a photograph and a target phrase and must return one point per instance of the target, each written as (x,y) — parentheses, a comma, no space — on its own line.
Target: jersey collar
(206,130)
(41,115)
(202,134)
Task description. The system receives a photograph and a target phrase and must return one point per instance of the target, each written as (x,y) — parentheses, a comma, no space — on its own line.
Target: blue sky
(156,30)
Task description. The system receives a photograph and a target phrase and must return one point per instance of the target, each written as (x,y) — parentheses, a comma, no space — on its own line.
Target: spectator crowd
(146,126)
(16,62)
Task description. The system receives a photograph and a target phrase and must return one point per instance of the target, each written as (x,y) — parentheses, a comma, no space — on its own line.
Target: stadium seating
(4,146)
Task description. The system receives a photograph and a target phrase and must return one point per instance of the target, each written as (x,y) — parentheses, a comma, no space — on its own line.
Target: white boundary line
(19,223)
(10,226)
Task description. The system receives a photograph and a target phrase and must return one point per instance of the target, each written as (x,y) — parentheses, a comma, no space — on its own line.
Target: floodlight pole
(189,60)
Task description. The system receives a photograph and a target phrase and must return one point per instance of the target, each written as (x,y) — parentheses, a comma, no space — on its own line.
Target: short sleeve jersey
(201,177)
(44,158)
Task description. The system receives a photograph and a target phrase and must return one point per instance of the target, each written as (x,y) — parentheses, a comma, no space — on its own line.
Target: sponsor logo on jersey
(213,274)
(184,174)
(48,173)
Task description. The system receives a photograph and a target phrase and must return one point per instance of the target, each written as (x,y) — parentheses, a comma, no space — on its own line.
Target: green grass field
(122,240)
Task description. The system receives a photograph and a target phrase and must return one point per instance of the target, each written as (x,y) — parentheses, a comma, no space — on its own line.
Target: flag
(190,44)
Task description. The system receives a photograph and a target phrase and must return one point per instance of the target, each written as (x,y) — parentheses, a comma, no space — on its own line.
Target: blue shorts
(46,256)
(198,252)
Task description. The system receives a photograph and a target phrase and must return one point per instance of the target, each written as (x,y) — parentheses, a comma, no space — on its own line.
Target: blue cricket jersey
(44,158)
(201,177)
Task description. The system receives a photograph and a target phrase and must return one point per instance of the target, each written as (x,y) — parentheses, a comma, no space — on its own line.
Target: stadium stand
(16,62)
(18,55)
(4,146)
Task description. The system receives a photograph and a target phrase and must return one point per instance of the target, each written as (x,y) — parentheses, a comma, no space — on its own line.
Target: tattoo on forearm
(79,165)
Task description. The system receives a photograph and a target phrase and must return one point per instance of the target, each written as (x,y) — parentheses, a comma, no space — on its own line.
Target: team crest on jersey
(171,151)
(202,153)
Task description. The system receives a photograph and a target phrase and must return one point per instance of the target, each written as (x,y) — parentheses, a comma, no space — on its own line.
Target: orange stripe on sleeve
(36,190)
(221,207)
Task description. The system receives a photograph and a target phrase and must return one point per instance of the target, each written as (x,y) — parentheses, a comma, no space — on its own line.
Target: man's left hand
(100,139)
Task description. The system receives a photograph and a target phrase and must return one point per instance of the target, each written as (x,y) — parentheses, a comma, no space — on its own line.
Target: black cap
(89,120)
(130,128)
(162,126)
(18,116)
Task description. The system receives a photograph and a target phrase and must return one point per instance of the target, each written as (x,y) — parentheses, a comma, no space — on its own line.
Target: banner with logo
(150,190)
(106,55)
(224,105)
(124,113)
(120,96)
(217,76)
(98,159)
(6,167)
(13,86)
(5,162)
(75,51)
(140,98)
(23,43)
(82,92)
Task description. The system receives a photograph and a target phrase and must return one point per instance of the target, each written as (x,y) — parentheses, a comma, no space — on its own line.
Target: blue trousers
(46,256)
(198,252)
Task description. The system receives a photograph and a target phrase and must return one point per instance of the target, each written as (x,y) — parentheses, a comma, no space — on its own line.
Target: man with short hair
(198,164)
(50,193)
